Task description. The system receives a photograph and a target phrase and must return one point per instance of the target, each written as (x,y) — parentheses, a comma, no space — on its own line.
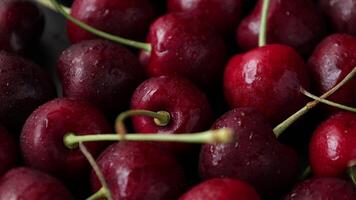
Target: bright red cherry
(30,184)
(256,157)
(333,146)
(129,19)
(296,23)
(139,170)
(330,62)
(42,137)
(224,15)
(8,151)
(269,79)
(222,189)
(322,189)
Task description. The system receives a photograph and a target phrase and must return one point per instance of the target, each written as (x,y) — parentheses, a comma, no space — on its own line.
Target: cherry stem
(279,129)
(263,24)
(306,173)
(327,102)
(108,36)
(104,191)
(160,118)
(352,172)
(49,5)
(218,136)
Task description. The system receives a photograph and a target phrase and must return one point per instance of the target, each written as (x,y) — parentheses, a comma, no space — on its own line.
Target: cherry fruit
(8,151)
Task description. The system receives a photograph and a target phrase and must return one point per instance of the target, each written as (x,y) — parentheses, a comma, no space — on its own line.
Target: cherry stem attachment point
(279,129)
(49,5)
(263,24)
(102,34)
(218,136)
(327,102)
(161,118)
(104,191)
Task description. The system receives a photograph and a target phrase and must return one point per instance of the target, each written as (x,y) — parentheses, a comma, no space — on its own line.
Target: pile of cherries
(231,74)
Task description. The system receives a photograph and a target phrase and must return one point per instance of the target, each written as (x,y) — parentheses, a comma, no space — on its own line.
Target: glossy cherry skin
(224,15)
(135,171)
(188,106)
(222,189)
(23,87)
(333,145)
(340,14)
(267,78)
(296,23)
(25,183)
(185,46)
(129,19)
(42,137)
(8,151)
(256,157)
(323,188)
(100,72)
(330,62)
(21,25)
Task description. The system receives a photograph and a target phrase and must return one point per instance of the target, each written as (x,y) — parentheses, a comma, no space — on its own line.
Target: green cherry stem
(263,24)
(327,102)
(104,191)
(306,173)
(352,171)
(218,136)
(49,5)
(108,36)
(279,129)
(160,118)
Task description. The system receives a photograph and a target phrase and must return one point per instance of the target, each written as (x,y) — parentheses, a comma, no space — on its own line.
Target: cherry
(256,157)
(267,78)
(222,189)
(139,171)
(223,15)
(100,72)
(24,86)
(330,62)
(119,17)
(187,106)
(333,145)
(323,188)
(297,23)
(30,184)
(8,151)
(42,137)
(21,25)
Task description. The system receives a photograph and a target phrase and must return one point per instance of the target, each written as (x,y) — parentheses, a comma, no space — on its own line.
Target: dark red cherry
(187,105)
(21,25)
(267,78)
(8,151)
(223,15)
(138,170)
(340,14)
(330,62)
(185,46)
(30,184)
(256,157)
(23,87)
(296,23)
(333,146)
(100,72)
(42,137)
(322,189)
(222,189)
(130,19)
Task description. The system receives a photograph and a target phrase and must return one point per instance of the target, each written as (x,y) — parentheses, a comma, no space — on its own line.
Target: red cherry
(333,146)
(138,170)
(222,189)
(296,23)
(267,78)
(129,19)
(42,137)
(8,151)
(331,61)
(29,184)
(223,15)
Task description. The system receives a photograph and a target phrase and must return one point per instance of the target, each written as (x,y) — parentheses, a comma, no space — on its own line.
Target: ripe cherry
(8,151)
